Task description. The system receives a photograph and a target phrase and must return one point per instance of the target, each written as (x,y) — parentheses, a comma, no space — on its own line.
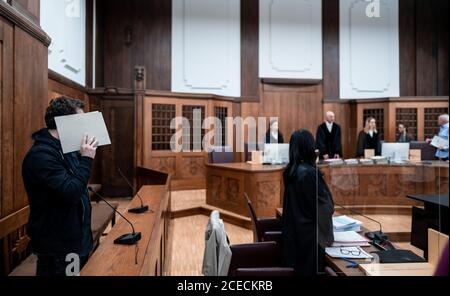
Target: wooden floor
(186,234)
(187,237)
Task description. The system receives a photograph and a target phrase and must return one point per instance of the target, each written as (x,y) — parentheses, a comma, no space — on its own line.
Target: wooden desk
(384,185)
(226,184)
(339,265)
(120,260)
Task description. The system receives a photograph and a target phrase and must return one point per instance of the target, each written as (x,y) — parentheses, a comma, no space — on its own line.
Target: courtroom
(224,138)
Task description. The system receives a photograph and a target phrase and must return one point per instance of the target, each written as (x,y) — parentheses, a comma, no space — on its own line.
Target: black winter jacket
(60,210)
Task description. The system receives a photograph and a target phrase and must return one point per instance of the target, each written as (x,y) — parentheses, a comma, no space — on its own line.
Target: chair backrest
(251,209)
(428,152)
(221,157)
(256,255)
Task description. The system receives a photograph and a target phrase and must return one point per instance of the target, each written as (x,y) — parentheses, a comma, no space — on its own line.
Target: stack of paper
(334,161)
(349,239)
(348,252)
(345,223)
(366,161)
(379,159)
(351,161)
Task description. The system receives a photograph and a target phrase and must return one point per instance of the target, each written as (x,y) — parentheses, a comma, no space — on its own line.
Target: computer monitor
(276,153)
(397,152)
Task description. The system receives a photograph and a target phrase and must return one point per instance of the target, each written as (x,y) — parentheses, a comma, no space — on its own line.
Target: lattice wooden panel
(162,115)
(378,114)
(188,133)
(407,117)
(431,127)
(221,113)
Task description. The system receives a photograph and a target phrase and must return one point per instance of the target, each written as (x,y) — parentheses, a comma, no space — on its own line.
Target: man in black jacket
(328,138)
(56,184)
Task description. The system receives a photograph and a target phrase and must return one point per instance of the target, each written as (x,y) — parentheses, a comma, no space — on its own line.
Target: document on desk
(72,128)
(439,142)
(349,239)
(347,252)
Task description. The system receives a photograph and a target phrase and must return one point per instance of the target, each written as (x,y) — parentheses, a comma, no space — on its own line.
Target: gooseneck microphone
(137,210)
(126,239)
(379,238)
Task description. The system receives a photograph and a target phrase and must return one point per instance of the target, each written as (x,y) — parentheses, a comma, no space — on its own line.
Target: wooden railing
(147,257)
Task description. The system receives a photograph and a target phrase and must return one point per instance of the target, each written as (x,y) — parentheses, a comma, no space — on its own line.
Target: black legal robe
(306,210)
(365,141)
(329,143)
(271,140)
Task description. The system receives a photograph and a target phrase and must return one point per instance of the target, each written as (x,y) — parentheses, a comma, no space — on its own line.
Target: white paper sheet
(439,142)
(348,252)
(72,128)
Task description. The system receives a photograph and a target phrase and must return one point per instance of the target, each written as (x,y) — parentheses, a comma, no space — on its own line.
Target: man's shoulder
(39,151)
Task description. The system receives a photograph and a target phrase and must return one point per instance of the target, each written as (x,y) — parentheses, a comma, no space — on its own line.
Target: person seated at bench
(56,185)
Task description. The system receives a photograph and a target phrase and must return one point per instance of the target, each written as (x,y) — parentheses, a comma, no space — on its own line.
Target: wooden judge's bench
(353,185)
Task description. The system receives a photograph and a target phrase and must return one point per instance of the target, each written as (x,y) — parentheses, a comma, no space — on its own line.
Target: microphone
(126,239)
(379,238)
(137,210)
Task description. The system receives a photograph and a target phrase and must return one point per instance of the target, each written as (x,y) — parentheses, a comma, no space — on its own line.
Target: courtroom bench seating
(102,215)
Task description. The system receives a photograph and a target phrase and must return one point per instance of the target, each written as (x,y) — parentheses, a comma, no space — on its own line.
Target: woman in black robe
(273,134)
(369,138)
(307,209)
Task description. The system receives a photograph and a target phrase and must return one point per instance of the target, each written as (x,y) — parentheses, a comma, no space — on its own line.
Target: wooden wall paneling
(60,86)
(136,33)
(296,106)
(23,98)
(330,27)
(6,117)
(119,118)
(29,8)
(426,44)
(442,51)
(249,50)
(407,32)
(30,101)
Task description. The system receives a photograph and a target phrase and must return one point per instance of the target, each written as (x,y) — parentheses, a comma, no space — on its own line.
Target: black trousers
(55,265)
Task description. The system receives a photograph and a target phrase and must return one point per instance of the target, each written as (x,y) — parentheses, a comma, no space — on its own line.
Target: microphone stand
(126,239)
(137,210)
(379,238)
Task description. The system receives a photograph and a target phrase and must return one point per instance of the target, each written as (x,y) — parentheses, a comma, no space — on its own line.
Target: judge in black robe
(273,134)
(329,143)
(369,138)
(307,209)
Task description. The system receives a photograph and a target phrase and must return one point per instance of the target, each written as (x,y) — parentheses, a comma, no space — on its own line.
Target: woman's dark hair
(60,107)
(302,149)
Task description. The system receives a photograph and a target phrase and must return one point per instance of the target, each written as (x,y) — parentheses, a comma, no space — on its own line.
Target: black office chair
(264,229)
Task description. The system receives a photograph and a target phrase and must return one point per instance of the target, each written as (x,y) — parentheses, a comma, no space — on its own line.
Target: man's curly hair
(59,107)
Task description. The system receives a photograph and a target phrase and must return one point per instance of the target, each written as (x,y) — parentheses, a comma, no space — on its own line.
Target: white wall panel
(206,47)
(369,50)
(290,37)
(65,22)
